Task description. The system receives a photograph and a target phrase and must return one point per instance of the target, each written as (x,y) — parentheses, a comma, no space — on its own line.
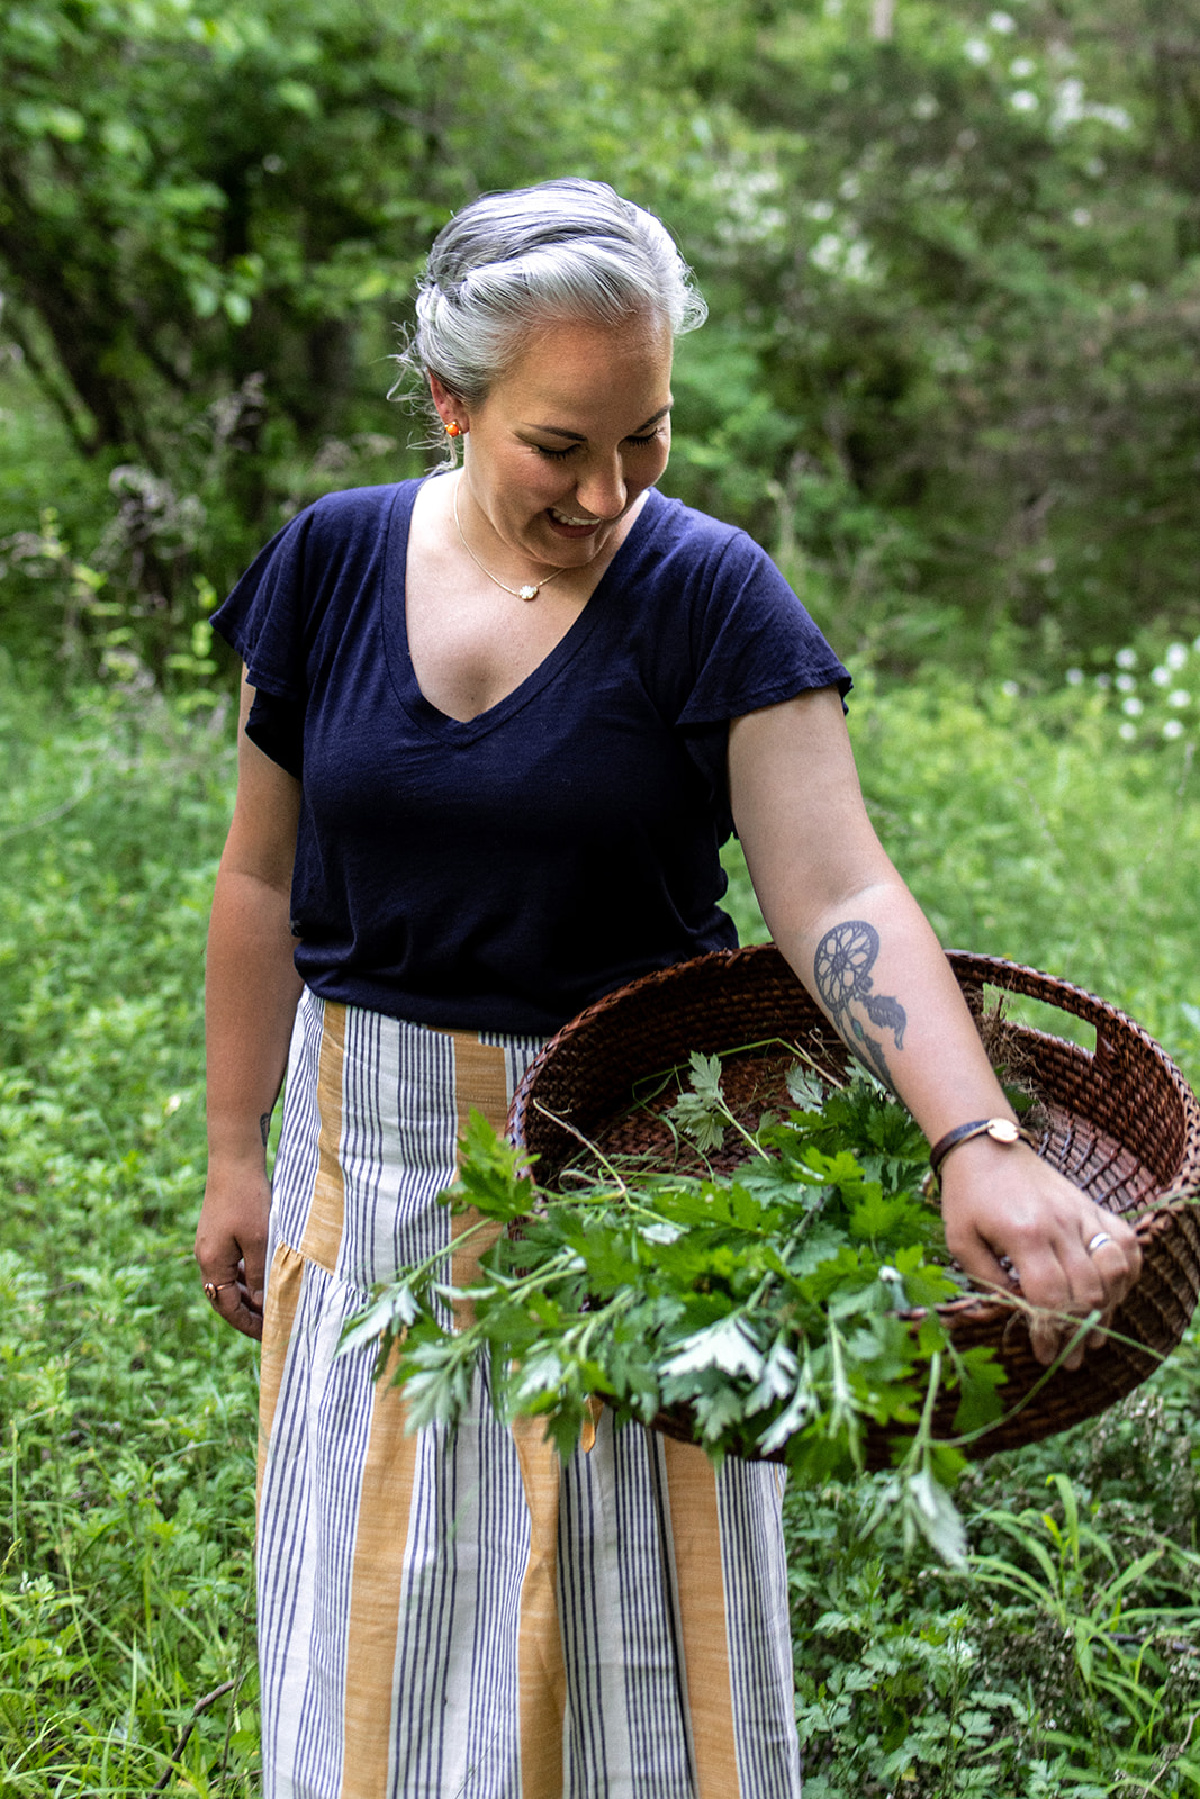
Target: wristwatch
(1000,1130)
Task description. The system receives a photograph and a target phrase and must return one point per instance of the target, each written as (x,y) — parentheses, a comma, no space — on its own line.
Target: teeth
(564,520)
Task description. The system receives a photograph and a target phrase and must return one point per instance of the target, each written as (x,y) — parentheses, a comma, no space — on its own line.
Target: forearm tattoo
(842,973)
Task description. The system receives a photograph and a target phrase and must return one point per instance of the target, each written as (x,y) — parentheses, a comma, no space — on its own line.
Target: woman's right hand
(231,1244)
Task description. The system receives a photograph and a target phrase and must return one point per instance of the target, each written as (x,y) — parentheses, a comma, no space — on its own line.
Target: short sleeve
(290,609)
(277,728)
(263,618)
(756,645)
(751,645)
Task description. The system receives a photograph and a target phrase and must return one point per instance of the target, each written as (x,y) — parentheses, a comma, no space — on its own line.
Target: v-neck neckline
(394,624)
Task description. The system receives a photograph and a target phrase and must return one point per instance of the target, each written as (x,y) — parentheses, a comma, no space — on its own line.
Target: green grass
(127,1414)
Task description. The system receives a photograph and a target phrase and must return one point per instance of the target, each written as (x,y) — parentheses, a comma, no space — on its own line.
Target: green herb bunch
(766,1303)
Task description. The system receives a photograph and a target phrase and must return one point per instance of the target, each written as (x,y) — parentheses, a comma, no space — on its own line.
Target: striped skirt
(458,1615)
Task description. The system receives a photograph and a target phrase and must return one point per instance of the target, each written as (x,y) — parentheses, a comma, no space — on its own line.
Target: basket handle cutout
(1051,1020)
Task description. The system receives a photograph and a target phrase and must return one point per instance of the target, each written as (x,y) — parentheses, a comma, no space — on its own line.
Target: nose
(601,490)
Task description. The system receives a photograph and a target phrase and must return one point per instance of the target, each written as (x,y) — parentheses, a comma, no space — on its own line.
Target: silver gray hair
(566,249)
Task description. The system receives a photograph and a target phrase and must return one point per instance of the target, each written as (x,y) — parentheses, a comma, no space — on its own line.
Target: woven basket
(1121,1122)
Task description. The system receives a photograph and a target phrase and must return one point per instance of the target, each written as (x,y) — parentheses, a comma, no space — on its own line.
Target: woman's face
(568,439)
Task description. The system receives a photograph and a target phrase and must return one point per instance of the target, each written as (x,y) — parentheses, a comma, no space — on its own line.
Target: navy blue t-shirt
(504,872)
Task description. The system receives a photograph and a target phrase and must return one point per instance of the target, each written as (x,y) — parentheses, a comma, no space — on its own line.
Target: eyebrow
(579,438)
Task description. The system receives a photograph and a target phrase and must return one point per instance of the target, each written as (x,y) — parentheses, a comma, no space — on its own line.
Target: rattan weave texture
(1120,1121)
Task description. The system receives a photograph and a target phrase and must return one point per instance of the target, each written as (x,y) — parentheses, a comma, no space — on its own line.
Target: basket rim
(1126,1096)
(972,969)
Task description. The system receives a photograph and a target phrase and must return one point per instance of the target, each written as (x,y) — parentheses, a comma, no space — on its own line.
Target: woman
(496,725)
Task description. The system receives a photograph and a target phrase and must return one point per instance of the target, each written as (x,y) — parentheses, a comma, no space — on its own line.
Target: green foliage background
(953,257)
(952,250)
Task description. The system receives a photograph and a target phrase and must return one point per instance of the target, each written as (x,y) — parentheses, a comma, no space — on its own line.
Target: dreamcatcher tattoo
(842,972)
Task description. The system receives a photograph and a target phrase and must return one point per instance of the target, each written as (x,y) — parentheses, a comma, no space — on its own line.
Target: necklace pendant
(531,589)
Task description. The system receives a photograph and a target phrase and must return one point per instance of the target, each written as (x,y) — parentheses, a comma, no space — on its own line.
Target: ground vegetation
(953,258)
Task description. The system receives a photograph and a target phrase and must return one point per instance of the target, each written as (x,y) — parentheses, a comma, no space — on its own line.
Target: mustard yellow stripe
(540,1667)
(480,1083)
(696,1535)
(283,1295)
(322,1239)
(480,1080)
(376,1588)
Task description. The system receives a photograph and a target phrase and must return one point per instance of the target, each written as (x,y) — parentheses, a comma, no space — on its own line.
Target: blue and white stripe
(456,1616)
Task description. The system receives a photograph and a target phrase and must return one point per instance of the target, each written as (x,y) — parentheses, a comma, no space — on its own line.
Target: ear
(450,408)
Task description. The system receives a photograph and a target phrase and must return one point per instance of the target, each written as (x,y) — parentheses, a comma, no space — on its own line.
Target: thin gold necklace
(528,592)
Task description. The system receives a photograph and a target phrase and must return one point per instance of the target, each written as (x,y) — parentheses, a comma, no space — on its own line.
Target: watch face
(1002,1130)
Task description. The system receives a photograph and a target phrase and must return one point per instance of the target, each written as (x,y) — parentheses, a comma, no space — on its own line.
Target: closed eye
(561,455)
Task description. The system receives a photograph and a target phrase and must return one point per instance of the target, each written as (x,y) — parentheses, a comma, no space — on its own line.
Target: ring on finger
(212,1288)
(1097,1242)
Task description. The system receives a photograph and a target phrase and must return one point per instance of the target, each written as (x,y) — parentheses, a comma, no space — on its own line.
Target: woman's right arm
(251,994)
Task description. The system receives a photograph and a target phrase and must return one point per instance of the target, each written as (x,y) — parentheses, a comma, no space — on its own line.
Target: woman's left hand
(1003,1201)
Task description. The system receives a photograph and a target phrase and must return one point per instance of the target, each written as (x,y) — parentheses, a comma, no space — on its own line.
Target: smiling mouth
(562,518)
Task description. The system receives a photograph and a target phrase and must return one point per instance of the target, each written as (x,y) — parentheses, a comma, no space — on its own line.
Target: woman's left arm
(856,937)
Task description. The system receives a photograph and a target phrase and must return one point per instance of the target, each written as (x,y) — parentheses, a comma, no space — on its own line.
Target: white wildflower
(1068,104)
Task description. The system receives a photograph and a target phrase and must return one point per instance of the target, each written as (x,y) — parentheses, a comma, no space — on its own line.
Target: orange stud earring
(453,429)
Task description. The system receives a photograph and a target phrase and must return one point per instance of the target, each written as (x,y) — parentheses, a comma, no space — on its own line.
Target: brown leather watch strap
(1000,1130)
